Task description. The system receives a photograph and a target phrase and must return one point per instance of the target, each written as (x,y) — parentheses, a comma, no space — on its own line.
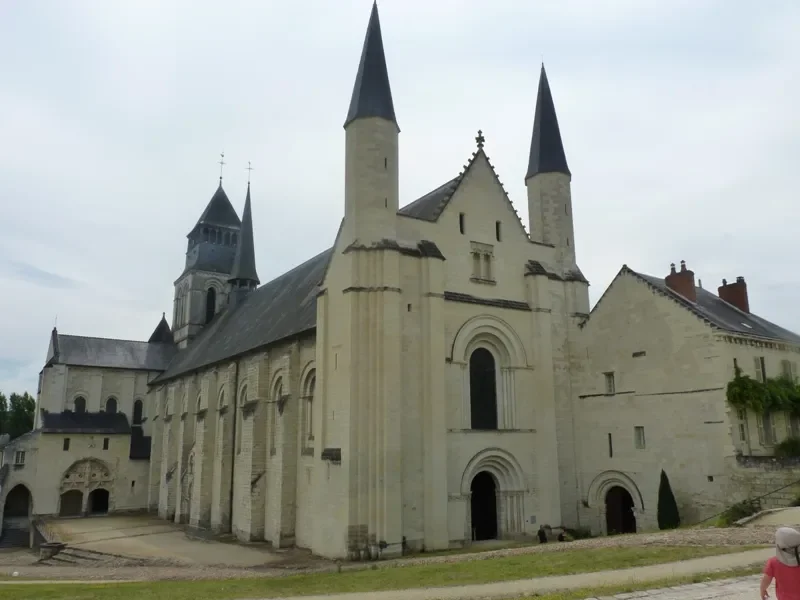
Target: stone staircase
(15,538)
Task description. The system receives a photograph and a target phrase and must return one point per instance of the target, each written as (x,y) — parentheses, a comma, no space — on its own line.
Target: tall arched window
(482,389)
(211,304)
(240,418)
(273,415)
(309,406)
(111,405)
(80,404)
(137,412)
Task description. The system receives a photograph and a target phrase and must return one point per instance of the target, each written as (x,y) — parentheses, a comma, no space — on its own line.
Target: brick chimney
(735,293)
(682,281)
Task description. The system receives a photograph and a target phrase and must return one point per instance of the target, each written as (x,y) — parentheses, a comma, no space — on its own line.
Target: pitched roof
(86,422)
(162,334)
(284,307)
(547,150)
(372,94)
(430,206)
(719,313)
(80,351)
(244,264)
(219,211)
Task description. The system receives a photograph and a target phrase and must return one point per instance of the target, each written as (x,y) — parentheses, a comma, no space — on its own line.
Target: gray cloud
(679,120)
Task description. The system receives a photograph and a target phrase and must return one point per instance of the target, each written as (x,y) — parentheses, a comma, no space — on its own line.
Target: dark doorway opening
(482,390)
(484,507)
(619,511)
(18,503)
(71,504)
(98,501)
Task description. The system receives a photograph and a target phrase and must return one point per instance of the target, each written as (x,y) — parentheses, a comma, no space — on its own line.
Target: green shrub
(788,448)
(667,511)
(580,533)
(740,510)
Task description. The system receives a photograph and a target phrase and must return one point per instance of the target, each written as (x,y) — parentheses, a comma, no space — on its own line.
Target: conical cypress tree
(668,517)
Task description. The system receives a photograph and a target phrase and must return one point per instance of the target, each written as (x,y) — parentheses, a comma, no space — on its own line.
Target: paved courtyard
(742,588)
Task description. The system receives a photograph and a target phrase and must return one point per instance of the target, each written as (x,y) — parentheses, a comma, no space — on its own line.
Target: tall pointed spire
(244,265)
(547,151)
(372,94)
(162,334)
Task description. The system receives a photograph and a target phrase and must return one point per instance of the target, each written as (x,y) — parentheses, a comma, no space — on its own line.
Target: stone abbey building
(419,385)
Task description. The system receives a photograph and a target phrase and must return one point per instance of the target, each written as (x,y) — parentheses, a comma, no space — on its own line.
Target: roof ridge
(94,337)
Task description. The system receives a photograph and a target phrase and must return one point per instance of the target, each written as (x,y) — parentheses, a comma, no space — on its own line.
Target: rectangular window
(497,230)
(789,370)
(19,457)
(741,416)
(461,222)
(610,447)
(766,429)
(611,386)
(105,443)
(66,444)
(761,371)
(638,437)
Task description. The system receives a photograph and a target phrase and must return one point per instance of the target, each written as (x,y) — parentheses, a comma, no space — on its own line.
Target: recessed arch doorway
(620,517)
(483,505)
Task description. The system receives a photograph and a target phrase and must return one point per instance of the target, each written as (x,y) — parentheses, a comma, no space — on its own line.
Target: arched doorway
(619,511)
(18,503)
(482,389)
(98,501)
(71,504)
(484,507)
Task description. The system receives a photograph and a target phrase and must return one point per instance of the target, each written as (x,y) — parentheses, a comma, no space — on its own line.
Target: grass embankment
(524,566)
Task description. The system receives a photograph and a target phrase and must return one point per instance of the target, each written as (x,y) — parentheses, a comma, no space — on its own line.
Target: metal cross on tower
(249,170)
(221,164)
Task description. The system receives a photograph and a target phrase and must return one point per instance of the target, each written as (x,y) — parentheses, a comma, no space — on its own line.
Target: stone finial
(480,139)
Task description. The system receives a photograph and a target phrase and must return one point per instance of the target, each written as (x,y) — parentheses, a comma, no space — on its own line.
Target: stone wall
(775,481)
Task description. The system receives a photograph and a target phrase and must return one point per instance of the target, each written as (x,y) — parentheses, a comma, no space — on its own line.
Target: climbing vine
(779,394)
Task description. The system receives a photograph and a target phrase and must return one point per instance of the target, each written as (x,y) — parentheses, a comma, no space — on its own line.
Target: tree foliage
(16,414)
(778,394)
(667,511)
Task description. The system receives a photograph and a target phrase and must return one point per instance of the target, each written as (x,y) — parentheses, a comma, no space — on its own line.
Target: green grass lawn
(566,562)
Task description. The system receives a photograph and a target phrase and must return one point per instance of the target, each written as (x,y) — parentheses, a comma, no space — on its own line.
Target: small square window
(66,444)
(638,437)
(105,443)
(710,478)
(611,386)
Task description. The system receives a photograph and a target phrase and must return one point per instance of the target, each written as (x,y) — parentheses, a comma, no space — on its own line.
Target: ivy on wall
(779,394)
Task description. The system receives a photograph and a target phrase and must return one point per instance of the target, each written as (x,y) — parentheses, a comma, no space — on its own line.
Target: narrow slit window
(497,230)
(610,447)
(461,222)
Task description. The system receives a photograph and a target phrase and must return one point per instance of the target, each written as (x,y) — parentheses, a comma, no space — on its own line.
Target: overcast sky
(679,118)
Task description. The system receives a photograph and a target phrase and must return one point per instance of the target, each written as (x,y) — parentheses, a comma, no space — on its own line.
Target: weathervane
(221,164)
(480,139)
(249,170)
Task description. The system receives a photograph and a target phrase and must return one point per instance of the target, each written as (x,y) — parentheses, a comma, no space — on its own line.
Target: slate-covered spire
(547,151)
(162,334)
(219,210)
(244,265)
(372,94)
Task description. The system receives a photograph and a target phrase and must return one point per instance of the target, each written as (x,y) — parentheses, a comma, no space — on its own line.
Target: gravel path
(117,568)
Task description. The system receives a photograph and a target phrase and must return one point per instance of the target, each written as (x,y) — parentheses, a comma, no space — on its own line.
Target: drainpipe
(234,406)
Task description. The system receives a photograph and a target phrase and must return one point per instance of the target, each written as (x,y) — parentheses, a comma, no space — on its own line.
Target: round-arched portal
(483,506)
(71,504)
(18,503)
(620,517)
(98,501)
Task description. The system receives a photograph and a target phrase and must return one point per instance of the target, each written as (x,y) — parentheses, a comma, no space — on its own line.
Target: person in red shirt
(784,567)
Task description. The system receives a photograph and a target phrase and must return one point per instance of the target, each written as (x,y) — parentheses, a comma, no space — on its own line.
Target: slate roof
(244,264)
(547,150)
(721,314)
(284,307)
(162,334)
(80,351)
(372,94)
(87,422)
(219,210)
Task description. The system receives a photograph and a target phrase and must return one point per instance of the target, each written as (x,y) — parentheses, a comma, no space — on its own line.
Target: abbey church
(414,387)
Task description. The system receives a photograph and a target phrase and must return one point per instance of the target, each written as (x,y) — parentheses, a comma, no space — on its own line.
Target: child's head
(787,546)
